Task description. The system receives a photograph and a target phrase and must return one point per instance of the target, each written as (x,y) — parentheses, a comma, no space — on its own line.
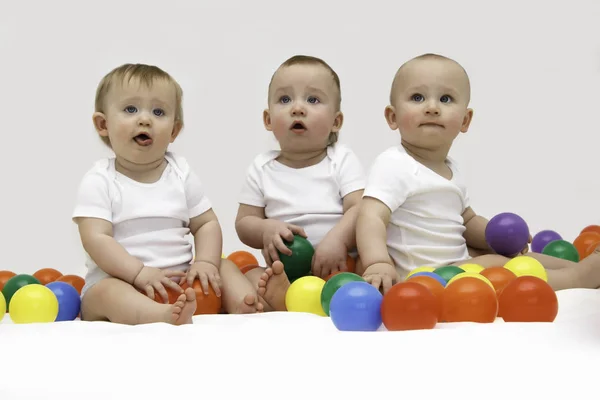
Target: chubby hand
(330,256)
(526,249)
(150,279)
(381,275)
(273,238)
(206,273)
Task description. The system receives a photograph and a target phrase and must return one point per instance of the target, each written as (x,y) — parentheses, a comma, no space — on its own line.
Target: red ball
(409,306)
(528,299)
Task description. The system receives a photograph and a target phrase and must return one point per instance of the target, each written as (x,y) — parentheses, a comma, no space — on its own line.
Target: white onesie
(310,197)
(150,220)
(426,226)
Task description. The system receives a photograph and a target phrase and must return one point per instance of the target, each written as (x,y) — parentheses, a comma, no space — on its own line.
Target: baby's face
(431,103)
(140,120)
(303,108)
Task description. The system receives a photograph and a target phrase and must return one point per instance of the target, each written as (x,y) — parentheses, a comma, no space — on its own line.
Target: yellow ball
(527,266)
(304,295)
(472,268)
(33,303)
(470,275)
(420,269)
(2,306)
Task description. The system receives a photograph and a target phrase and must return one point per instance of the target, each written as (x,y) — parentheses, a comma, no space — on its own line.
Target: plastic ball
(75,280)
(542,238)
(304,295)
(333,284)
(2,306)
(527,266)
(507,234)
(409,306)
(15,283)
(469,300)
(299,263)
(419,269)
(69,301)
(242,258)
(476,268)
(448,272)
(356,306)
(470,275)
(585,243)
(432,275)
(528,299)
(33,303)
(562,249)
(4,277)
(499,277)
(47,275)
(205,304)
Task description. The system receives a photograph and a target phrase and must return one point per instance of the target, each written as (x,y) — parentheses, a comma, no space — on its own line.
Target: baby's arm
(371,240)
(345,229)
(208,244)
(259,232)
(475,232)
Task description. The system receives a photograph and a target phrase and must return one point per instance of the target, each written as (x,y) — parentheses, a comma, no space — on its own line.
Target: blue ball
(69,302)
(356,306)
(431,275)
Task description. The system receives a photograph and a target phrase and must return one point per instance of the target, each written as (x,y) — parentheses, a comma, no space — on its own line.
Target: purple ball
(541,239)
(507,234)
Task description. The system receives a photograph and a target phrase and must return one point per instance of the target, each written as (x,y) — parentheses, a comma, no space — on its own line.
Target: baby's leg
(273,286)
(239,294)
(117,301)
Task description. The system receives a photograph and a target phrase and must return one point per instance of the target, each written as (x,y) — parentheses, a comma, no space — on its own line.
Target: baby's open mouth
(143,139)
(298,127)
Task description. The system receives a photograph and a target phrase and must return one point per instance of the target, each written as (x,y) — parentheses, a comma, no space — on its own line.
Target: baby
(416,209)
(135,210)
(310,187)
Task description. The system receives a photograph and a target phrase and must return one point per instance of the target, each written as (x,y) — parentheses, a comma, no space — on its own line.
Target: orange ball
(210,304)
(409,306)
(249,267)
(4,277)
(74,280)
(499,276)
(528,299)
(351,264)
(432,284)
(171,293)
(586,241)
(242,258)
(469,300)
(332,275)
(47,275)
(591,228)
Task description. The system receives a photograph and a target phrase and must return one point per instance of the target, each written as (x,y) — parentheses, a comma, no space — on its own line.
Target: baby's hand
(151,278)
(381,274)
(330,256)
(206,273)
(273,237)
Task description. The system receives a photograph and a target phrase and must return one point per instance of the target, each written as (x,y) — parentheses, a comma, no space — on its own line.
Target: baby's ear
(176,130)
(100,124)
(338,122)
(267,119)
(391,118)
(467,120)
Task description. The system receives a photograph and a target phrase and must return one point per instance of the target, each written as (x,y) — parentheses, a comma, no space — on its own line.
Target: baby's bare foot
(273,286)
(184,307)
(249,305)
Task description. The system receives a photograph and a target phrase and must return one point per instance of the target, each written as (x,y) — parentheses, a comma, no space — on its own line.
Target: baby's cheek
(406,120)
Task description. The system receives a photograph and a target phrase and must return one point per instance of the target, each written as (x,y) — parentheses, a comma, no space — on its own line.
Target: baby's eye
(313,100)
(285,99)
(445,99)
(417,97)
(159,112)
(130,109)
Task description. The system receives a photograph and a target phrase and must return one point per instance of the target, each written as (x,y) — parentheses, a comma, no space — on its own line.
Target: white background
(535,69)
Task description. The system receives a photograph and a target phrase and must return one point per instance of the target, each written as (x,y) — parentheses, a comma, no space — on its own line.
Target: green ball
(299,263)
(15,283)
(333,284)
(448,272)
(561,249)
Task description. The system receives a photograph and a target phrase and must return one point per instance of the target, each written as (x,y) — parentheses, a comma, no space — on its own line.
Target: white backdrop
(535,70)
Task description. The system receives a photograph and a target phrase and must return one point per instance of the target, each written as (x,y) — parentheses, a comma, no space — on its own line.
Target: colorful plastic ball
(4,277)
(33,303)
(586,243)
(470,275)
(15,283)
(591,228)
(333,284)
(419,269)
(432,275)
(410,306)
(476,268)
(527,266)
(356,306)
(69,301)
(507,234)
(542,238)
(499,277)
(242,258)
(299,263)
(75,280)
(448,272)
(2,306)
(562,249)
(304,295)
(528,299)
(469,300)
(205,304)
(47,275)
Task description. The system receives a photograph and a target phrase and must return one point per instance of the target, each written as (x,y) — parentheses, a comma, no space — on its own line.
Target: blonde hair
(144,74)
(310,60)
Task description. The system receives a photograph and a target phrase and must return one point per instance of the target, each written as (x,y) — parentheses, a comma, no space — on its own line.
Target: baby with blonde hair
(135,210)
